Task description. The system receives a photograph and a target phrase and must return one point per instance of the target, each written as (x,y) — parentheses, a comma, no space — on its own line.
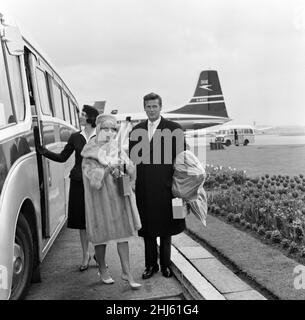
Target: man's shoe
(167,272)
(149,271)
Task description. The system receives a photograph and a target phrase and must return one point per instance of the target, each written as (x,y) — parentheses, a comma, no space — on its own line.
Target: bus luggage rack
(216,146)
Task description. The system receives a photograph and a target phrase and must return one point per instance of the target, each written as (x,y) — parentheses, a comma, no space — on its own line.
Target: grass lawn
(258,160)
(269,266)
(265,267)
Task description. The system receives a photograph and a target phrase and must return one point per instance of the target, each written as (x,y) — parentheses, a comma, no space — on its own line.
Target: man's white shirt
(152,126)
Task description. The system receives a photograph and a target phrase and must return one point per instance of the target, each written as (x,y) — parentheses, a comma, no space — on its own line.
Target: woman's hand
(116,172)
(41,150)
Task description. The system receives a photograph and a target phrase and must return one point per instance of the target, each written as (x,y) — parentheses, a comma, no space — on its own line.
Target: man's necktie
(150,130)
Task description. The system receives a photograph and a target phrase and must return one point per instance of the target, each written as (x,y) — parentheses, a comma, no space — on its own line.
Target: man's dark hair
(152,96)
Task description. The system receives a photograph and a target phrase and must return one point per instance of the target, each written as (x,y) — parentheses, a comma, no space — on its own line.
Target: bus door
(45,131)
(240,136)
(38,136)
(53,134)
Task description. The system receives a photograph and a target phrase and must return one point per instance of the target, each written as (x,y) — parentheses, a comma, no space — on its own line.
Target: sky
(120,50)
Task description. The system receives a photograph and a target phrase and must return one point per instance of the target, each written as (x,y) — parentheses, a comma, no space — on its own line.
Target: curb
(203,277)
(195,286)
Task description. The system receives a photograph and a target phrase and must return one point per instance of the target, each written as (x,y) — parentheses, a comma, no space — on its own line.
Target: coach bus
(238,135)
(36,108)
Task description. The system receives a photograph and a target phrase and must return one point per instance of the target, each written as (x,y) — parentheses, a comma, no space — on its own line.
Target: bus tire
(228,143)
(24,256)
(246,142)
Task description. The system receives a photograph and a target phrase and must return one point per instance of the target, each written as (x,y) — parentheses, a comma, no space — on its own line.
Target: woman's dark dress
(76,208)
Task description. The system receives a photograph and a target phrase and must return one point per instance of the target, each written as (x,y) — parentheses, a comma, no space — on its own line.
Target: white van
(238,135)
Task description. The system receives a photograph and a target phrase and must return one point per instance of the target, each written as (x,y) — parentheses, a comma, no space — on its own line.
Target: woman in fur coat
(110,215)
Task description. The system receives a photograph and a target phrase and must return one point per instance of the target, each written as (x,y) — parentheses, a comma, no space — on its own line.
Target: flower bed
(271,206)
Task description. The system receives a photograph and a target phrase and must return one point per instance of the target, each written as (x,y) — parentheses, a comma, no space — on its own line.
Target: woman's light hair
(103,118)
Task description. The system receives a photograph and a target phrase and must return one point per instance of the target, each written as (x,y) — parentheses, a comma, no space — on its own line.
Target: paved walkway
(61,279)
(198,275)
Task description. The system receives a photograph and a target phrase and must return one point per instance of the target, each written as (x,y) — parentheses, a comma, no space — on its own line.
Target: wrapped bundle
(188,180)
(188,176)
(199,207)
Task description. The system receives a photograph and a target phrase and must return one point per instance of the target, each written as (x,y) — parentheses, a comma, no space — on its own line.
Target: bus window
(6,110)
(43,93)
(72,113)
(66,107)
(76,115)
(251,131)
(16,85)
(57,101)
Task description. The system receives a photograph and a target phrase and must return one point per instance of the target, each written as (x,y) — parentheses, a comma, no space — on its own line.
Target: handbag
(180,210)
(124,183)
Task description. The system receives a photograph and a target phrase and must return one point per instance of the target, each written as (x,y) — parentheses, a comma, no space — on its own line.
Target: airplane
(206,108)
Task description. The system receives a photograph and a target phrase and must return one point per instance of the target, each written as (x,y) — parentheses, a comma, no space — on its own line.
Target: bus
(36,108)
(238,135)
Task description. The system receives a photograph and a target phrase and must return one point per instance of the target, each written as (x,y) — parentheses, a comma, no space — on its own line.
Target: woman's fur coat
(109,215)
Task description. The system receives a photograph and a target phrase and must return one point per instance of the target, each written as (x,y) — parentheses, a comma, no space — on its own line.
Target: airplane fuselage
(187,121)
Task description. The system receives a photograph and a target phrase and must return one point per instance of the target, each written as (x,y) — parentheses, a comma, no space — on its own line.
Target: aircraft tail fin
(208,98)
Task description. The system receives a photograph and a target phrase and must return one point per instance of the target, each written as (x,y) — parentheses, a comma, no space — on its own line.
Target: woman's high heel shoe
(85,267)
(133,285)
(108,280)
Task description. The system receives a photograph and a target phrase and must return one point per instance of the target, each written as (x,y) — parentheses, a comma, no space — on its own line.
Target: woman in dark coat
(76,207)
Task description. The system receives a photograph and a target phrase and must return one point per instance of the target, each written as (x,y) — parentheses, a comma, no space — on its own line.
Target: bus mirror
(13,39)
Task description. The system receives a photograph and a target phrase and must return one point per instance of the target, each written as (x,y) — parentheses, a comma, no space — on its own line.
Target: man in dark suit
(153,146)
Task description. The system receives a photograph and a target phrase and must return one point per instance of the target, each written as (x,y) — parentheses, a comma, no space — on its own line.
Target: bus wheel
(23,260)
(246,142)
(228,143)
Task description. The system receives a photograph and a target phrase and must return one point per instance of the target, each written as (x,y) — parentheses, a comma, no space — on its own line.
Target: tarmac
(198,275)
